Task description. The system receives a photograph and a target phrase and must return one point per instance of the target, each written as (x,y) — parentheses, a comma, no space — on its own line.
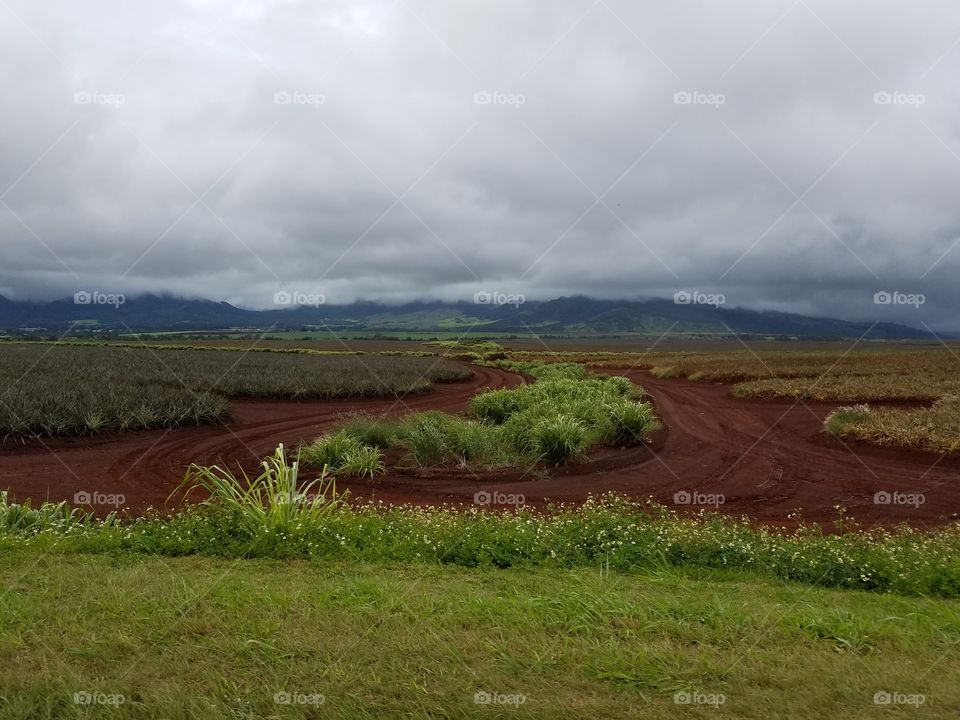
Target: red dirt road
(767,459)
(146,466)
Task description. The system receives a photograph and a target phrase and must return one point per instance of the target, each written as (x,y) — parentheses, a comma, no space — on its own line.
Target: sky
(792,155)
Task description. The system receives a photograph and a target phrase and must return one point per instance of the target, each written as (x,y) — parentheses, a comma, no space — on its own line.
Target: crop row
(69,389)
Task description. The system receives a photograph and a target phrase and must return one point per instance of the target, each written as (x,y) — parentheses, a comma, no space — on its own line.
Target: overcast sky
(792,155)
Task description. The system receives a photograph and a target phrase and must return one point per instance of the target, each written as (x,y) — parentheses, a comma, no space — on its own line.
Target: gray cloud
(228,150)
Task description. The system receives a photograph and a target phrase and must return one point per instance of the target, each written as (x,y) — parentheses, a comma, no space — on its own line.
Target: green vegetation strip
(552,421)
(56,389)
(179,638)
(275,515)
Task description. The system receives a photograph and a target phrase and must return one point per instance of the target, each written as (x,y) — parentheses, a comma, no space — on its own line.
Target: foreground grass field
(201,637)
(51,389)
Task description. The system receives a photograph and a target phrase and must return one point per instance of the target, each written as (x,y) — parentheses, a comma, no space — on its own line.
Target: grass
(52,389)
(273,515)
(270,503)
(275,599)
(202,637)
(553,421)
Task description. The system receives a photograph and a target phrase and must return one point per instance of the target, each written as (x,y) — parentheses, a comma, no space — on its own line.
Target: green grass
(204,637)
(274,589)
(551,422)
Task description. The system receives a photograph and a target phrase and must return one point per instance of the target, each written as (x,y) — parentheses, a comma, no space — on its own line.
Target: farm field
(877,373)
(745,567)
(50,389)
(767,458)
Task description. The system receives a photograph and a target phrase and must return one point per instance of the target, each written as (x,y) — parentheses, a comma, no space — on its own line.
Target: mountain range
(565,315)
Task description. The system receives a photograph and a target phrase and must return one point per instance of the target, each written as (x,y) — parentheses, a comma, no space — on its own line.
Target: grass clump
(271,503)
(330,451)
(364,461)
(628,422)
(558,439)
(378,432)
(24,518)
(427,437)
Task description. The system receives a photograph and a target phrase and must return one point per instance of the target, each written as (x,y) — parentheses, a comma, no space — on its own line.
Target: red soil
(767,458)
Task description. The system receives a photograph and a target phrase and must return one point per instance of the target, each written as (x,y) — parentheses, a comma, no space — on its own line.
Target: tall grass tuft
(365,461)
(557,440)
(330,451)
(627,423)
(273,502)
(376,432)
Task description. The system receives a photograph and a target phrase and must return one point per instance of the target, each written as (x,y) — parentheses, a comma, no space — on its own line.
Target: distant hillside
(567,315)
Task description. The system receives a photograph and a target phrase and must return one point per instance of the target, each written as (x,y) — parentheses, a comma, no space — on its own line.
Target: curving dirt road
(146,466)
(767,459)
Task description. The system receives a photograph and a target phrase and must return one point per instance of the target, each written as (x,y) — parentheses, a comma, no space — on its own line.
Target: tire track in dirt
(769,459)
(145,466)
